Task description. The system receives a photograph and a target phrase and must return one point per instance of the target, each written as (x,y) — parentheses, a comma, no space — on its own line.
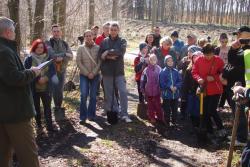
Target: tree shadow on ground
(140,137)
(67,143)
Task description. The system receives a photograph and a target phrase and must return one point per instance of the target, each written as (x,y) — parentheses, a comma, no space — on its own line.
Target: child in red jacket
(140,63)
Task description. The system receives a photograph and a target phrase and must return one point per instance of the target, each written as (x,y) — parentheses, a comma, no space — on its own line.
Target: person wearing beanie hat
(183,63)
(194,48)
(170,84)
(140,63)
(142,45)
(150,87)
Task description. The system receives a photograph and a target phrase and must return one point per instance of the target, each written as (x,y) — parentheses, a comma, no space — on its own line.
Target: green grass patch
(236,157)
(107,143)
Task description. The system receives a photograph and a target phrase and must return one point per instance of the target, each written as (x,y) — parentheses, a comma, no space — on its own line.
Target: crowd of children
(171,75)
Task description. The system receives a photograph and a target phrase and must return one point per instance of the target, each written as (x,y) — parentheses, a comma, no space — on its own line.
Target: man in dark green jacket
(16,103)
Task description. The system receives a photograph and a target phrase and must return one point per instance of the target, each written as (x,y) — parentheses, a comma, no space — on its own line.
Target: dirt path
(136,144)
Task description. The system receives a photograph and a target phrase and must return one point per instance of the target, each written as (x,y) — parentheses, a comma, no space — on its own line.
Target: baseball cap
(242,29)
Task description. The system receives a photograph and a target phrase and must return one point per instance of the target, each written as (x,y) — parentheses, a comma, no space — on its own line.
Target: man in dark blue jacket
(16,103)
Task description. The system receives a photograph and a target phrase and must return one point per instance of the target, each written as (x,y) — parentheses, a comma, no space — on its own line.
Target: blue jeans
(88,87)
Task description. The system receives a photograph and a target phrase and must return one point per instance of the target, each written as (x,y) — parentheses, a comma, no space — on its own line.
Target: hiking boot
(59,113)
(51,128)
(82,122)
(126,119)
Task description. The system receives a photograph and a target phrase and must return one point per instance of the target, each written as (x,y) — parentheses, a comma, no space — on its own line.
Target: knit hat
(167,57)
(142,45)
(194,48)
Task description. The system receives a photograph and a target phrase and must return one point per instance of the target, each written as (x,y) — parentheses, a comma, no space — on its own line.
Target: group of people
(168,73)
(174,74)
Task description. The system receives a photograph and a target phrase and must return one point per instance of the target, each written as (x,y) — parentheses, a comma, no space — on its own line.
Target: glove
(142,60)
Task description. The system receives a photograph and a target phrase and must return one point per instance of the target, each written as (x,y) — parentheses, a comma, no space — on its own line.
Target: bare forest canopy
(35,17)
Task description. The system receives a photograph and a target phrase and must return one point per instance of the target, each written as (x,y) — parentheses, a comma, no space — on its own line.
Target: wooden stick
(234,131)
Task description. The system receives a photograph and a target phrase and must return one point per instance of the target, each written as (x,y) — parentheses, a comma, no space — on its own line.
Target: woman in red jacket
(206,71)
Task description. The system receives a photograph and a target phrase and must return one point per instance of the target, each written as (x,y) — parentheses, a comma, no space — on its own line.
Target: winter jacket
(189,85)
(85,63)
(150,80)
(160,56)
(58,47)
(139,67)
(178,44)
(99,39)
(15,94)
(235,70)
(111,67)
(51,71)
(213,67)
(245,157)
(157,39)
(170,77)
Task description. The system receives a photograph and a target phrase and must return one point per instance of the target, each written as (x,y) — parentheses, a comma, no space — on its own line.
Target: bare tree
(55,11)
(115,9)
(91,13)
(13,6)
(30,19)
(62,15)
(39,19)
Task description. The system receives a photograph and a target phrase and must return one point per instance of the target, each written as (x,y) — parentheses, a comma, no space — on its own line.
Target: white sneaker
(126,119)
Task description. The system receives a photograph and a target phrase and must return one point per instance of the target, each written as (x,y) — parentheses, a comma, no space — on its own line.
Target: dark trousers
(58,90)
(19,137)
(242,130)
(170,107)
(46,101)
(209,107)
(183,107)
(226,95)
(141,97)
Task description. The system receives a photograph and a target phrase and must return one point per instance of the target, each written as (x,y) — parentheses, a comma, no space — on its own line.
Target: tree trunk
(1,9)
(30,19)
(55,12)
(13,6)
(150,10)
(114,9)
(163,10)
(62,16)
(39,19)
(154,15)
(91,13)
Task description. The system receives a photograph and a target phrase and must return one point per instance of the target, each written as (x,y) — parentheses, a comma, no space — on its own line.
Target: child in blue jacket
(170,84)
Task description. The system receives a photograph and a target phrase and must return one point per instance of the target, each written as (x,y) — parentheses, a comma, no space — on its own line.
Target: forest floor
(135,144)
